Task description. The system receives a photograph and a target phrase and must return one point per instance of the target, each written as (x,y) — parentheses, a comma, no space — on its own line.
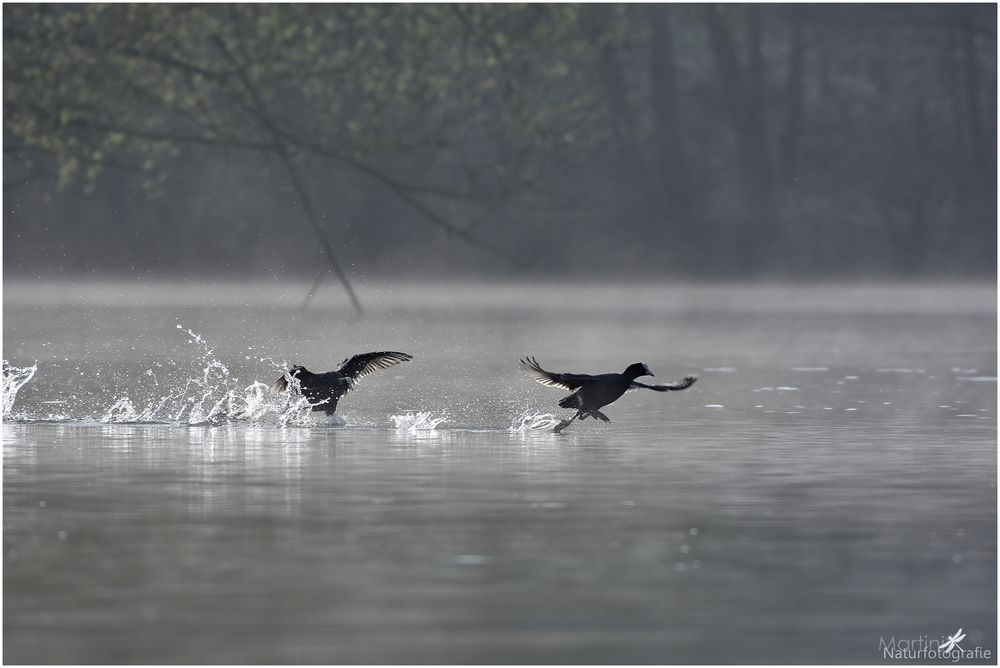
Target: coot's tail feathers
(667,387)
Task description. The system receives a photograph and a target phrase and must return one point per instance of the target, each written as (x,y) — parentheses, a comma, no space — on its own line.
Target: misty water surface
(830,479)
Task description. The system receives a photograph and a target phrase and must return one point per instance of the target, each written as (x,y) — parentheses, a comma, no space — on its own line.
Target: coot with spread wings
(324,390)
(591,393)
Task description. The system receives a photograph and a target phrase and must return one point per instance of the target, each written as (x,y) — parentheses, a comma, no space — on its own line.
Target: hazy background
(696,141)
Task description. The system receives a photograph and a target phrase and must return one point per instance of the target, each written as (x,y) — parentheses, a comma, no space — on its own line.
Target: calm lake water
(828,482)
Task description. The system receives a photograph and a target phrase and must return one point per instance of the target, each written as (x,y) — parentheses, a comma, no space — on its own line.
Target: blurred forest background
(696,141)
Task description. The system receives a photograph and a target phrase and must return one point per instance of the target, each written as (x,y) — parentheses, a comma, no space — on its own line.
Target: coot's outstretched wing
(567,381)
(666,387)
(361,365)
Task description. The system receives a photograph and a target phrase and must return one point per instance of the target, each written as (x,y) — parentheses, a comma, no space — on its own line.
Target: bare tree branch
(281,150)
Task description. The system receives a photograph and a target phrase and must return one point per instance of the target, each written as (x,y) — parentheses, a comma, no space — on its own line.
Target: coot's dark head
(638,369)
(295,370)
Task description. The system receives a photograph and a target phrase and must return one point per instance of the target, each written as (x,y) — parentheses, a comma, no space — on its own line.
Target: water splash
(213,382)
(14,378)
(196,390)
(414,422)
(123,411)
(210,395)
(534,422)
(256,404)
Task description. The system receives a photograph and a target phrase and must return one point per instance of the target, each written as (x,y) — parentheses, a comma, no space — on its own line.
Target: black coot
(324,390)
(591,393)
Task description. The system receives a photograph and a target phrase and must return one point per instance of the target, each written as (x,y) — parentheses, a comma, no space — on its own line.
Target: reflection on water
(829,480)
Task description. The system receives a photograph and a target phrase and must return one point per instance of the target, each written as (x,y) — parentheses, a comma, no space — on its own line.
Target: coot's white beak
(648,371)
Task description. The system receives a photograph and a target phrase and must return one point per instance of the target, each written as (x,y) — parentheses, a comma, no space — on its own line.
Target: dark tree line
(825,139)
(703,140)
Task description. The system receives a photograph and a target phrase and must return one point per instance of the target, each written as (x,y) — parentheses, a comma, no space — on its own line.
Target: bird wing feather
(361,365)
(665,387)
(567,381)
(280,385)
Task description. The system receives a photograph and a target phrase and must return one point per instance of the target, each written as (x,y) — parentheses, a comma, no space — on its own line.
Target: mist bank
(216,221)
(645,296)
